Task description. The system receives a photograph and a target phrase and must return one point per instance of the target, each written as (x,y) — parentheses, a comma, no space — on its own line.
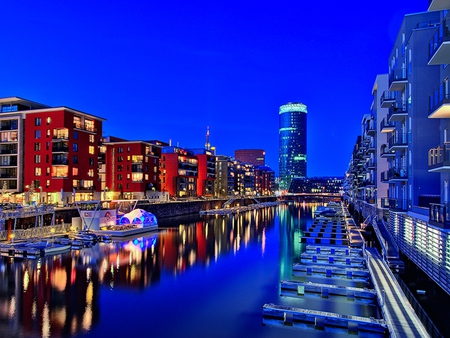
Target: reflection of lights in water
(88,274)
(46,321)
(105,265)
(74,325)
(117,262)
(60,316)
(26,281)
(263,241)
(216,251)
(87,316)
(12,307)
(130,258)
(34,309)
(59,279)
(206,230)
(192,257)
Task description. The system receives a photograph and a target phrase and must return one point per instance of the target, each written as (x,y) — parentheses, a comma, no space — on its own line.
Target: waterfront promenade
(397,311)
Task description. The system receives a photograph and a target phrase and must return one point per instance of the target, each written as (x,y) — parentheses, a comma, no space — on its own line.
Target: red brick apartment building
(132,170)
(59,147)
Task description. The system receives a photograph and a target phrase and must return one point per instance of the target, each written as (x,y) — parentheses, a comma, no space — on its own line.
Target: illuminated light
(293,107)
(26,281)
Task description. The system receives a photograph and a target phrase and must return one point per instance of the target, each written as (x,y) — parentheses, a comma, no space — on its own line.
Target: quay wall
(172,208)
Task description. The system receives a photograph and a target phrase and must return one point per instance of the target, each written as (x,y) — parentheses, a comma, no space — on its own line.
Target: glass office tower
(292,143)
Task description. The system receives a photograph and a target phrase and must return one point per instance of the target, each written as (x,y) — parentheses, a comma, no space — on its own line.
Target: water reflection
(72,294)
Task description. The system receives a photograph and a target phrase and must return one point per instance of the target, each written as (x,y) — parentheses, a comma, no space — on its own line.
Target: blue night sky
(168,69)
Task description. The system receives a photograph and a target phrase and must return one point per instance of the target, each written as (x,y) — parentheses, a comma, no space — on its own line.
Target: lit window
(37,171)
(91,173)
(75,171)
(37,146)
(91,150)
(91,138)
(49,120)
(37,158)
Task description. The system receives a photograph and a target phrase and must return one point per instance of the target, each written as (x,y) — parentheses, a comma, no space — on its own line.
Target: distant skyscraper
(252,156)
(292,143)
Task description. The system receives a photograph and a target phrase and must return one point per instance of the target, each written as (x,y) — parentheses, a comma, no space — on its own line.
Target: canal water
(196,277)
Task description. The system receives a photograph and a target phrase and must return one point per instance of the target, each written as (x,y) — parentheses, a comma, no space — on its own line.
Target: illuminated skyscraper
(292,143)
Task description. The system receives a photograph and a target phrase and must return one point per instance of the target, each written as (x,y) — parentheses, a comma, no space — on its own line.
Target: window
(119,167)
(91,150)
(47,146)
(128,149)
(119,159)
(47,171)
(120,150)
(37,134)
(37,146)
(89,124)
(91,161)
(91,138)
(75,135)
(75,171)
(75,147)
(75,159)
(47,183)
(37,121)
(37,158)
(49,120)
(60,171)
(128,176)
(37,171)
(119,177)
(91,173)
(48,132)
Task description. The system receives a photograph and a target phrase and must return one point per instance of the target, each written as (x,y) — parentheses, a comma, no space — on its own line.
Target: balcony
(386,126)
(398,204)
(439,215)
(438,5)
(439,158)
(384,177)
(397,174)
(398,141)
(385,202)
(397,112)
(439,102)
(387,99)
(439,45)
(398,79)
(385,152)
(60,149)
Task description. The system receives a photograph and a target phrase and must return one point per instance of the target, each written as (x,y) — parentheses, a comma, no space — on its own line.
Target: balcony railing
(386,152)
(439,158)
(398,204)
(398,79)
(439,47)
(439,215)
(397,173)
(386,126)
(385,202)
(439,101)
(82,126)
(397,112)
(387,99)
(398,141)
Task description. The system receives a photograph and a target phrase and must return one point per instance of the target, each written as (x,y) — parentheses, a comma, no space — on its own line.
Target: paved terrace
(398,313)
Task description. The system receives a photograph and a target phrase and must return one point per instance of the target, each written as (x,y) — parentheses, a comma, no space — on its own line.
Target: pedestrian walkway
(397,312)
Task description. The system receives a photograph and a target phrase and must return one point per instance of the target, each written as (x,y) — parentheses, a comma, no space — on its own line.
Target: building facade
(292,153)
(257,157)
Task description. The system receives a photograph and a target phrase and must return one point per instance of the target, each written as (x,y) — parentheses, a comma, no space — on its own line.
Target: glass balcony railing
(437,99)
(441,35)
(439,215)
(439,157)
(398,204)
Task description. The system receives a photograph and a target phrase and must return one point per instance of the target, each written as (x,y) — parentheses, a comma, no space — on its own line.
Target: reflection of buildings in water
(48,297)
(131,263)
(207,240)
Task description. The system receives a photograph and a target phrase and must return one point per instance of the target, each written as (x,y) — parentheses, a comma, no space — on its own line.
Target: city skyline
(167,72)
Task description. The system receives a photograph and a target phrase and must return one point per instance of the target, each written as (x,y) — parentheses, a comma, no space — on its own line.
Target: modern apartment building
(206,171)
(253,156)
(416,127)
(292,143)
(178,172)
(131,170)
(59,147)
